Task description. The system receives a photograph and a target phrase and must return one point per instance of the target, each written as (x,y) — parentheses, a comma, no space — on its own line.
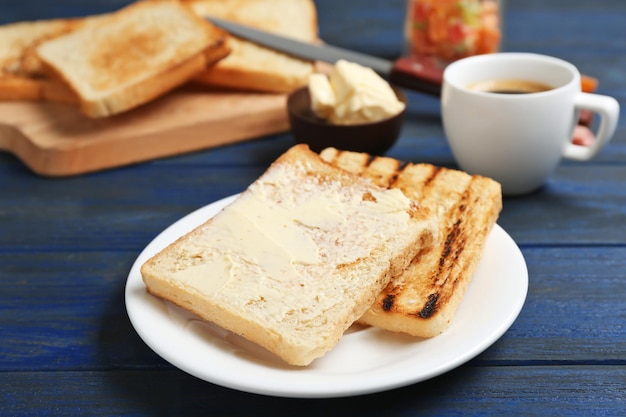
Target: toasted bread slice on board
(253,67)
(21,75)
(296,258)
(133,55)
(423,299)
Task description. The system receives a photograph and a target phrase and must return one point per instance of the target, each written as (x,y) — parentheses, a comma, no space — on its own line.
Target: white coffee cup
(519,139)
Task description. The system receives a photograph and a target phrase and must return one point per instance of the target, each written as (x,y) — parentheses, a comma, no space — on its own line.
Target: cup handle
(608,109)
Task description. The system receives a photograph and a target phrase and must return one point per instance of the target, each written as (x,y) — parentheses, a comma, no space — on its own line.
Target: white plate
(366,360)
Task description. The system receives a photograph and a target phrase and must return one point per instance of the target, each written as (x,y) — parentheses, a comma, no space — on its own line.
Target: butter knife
(422,75)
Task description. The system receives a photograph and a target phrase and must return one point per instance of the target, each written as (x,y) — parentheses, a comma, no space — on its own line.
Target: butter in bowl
(352,108)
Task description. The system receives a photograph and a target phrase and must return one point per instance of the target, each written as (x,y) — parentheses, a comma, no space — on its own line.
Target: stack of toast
(112,63)
(320,242)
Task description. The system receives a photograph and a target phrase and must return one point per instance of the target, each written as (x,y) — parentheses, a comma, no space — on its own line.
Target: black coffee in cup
(509,86)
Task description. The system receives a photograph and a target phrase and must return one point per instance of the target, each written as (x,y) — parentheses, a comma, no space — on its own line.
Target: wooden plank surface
(589,390)
(66,246)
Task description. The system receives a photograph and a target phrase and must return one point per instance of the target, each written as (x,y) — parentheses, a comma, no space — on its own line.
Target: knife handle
(423,74)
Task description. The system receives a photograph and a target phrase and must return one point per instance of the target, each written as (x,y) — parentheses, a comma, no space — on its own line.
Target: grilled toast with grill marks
(423,299)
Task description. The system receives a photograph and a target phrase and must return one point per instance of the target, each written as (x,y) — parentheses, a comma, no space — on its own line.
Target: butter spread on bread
(133,55)
(296,258)
(423,299)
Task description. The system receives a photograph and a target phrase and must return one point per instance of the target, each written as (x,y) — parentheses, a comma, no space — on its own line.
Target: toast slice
(296,258)
(423,299)
(21,75)
(253,67)
(133,55)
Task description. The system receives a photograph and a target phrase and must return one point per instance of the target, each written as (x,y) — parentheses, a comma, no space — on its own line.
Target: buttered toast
(296,258)
(423,299)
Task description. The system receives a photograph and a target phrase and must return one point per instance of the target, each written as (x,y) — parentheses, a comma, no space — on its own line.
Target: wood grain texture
(67,244)
(484,391)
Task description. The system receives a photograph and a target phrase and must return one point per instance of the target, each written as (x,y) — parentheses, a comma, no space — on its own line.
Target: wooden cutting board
(57,140)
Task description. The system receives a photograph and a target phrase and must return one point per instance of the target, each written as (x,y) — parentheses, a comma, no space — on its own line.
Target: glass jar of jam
(452,29)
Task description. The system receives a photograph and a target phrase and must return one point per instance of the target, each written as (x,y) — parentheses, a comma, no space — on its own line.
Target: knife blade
(423,75)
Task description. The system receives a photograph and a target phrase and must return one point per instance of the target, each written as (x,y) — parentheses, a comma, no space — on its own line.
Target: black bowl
(373,137)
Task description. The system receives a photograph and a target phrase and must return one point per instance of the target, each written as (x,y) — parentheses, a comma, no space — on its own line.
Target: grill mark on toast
(454,245)
(412,190)
(393,290)
(382,171)
(388,302)
(451,239)
(430,307)
(393,183)
(433,174)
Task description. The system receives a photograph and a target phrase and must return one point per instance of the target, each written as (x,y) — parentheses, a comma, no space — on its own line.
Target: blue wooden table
(66,246)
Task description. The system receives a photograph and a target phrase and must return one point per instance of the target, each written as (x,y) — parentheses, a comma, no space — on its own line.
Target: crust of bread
(13,88)
(424,298)
(253,67)
(317,305)
(21,74)
(284,75)
(133,55)
(151,88)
